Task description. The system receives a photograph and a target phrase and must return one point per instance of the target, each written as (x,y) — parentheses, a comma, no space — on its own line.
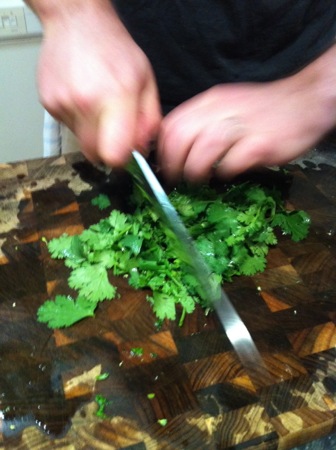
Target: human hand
(95,79)
(231,128)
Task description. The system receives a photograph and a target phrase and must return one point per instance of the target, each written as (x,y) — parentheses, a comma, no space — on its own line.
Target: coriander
(102,376)
(102,201)
(137,351)
(162,422)
(232,230)
(102,402)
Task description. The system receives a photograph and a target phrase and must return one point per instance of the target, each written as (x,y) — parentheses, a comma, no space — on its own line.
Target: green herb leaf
(92,282)
(132,242)
(295,223)
(162,422)
(59,247)
(137,351)
(163,305)
(102,201)
(102,402)
(233,231)
(102,376)
(65,311)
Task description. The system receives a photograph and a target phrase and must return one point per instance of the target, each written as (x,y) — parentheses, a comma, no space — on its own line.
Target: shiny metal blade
(210,291)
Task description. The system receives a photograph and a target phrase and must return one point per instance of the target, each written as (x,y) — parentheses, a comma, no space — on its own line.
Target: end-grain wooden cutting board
(48,379)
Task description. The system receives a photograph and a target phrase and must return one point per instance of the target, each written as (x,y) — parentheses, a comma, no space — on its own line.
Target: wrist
(52,11)
(318,79)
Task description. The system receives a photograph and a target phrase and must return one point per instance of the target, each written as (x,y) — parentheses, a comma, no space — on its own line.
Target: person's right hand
(95,79)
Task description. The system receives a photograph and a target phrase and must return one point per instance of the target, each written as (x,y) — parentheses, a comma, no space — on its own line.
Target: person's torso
(195,44)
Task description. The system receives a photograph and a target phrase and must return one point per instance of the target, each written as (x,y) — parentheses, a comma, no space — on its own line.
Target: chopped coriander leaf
(137,351)
(132,242)
(163,305)
(102,376)
(233,231)
(162,422)
(59,247)
(102,402)
(65,311)
(102,201)
(92,282)
(158,324)
(294,223)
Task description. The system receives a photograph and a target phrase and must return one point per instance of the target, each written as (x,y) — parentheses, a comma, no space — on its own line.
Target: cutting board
(189,376)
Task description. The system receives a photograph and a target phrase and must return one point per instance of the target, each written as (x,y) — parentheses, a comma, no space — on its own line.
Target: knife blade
(210,291)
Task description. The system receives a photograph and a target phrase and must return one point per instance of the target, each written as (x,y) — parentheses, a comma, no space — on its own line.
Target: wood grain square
(160,345)
(246,427)
(276,277)
(300,317)
(201,345)
(300,426)
(313,340)
(286,297)
(215,369)
(220,398)
(293,394)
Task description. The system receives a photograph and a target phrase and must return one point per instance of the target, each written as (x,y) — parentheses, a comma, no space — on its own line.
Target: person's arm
(95,79)
(234,127)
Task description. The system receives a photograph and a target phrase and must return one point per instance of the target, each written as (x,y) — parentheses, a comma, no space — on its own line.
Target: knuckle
(49,100)
(178,131)
(84,98)
(260,151)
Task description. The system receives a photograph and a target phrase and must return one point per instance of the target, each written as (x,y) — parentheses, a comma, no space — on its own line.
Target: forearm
(51,8)
(50,11)
(319,80)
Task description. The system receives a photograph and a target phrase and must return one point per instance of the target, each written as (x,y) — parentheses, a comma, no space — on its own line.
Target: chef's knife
(210,291)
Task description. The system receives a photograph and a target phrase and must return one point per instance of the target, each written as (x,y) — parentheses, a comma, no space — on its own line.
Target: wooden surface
(48,378)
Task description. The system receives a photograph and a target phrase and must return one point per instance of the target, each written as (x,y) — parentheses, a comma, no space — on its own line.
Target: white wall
(12,3)
(21,115)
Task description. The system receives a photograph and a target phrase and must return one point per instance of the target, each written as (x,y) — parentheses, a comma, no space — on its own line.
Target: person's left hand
(231,128)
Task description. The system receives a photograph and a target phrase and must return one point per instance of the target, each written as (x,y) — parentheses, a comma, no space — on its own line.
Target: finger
(149,117)
(246,154)
(117,131)
(173,148)
(86,133)
(61,114)
(177,134)
(180,128)
(210,147)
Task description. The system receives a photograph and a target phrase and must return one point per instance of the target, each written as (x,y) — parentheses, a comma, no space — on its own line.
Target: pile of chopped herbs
(233,230)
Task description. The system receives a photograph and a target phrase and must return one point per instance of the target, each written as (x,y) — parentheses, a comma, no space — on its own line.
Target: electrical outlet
(12,22)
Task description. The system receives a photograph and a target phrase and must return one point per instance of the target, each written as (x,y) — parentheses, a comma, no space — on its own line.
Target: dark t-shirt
(195,44)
